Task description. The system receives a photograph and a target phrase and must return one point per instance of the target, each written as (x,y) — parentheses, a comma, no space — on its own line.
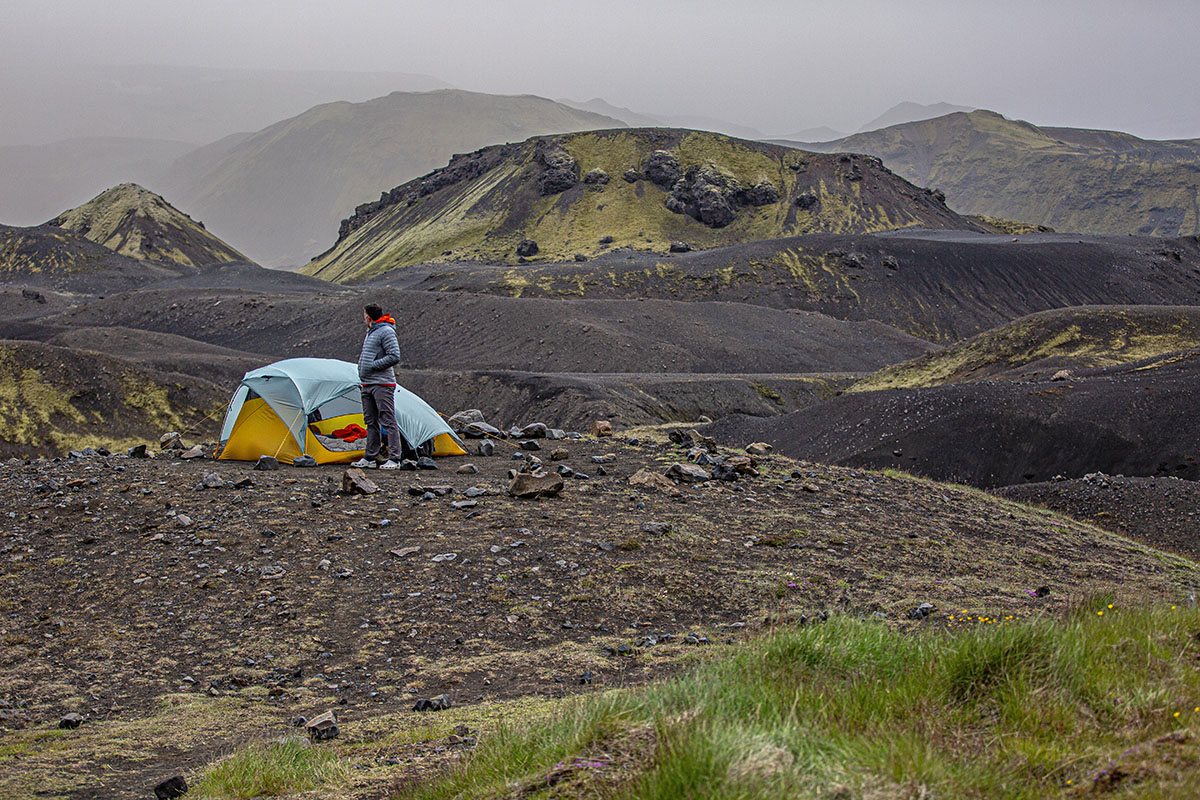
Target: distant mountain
(189,104)
(820,134)
(637,119)
(38,181)
(278,194)
(579,195)
(1077,180)
(910,112)
(134,222)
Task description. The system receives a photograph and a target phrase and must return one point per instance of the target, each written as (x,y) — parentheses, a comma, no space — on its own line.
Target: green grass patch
(1105,699)
(275,769)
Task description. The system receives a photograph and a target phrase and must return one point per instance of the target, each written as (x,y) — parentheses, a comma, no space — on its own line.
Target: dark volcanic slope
(458,331)
(56,399)
(1137,420)
(59,259)
(1041,344)
(940,286)
(643,188)
(1163,512)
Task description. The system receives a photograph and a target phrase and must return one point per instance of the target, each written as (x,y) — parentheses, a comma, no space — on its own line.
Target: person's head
(372,312)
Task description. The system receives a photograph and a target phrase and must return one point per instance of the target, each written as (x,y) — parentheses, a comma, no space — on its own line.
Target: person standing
(380,354)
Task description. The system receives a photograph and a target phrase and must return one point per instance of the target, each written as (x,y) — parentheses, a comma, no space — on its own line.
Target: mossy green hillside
(1077,338)
(138,223)
(56,399)
(484,216)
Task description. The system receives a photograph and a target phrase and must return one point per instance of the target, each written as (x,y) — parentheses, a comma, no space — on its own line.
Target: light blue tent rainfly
(296,387)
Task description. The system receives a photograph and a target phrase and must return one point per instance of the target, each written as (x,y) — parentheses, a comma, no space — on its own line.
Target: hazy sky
(774,65)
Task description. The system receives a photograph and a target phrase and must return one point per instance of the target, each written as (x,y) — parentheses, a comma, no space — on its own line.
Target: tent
(292,406)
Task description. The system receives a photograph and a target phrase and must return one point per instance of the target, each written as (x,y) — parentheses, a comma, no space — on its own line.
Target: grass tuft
(854,709)
(276,769)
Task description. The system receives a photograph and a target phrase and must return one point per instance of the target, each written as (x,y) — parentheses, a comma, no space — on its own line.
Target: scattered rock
(687,473)
(534,430)
(647,479)
(137,451)
(322,727)
(632,176)
(607,458)
(656,528)
(529,485)
(355,481)
(560,454)
(530,444)
(459,505)
(1061,375)
(211,480)
(759,448)
(439,703)
(586,678)
(403,552)
(700,440)
(602,427)
(527,248)
(467,469)
(171,788)
(565,471)
(596,177)
(680,247)
(743,465)
(71,721)
(487,448)
(304,461)
(267,464)
(806,199)
(891,262)
(170,441)
(425,462)
(459,421)
(921,612)
(195,451)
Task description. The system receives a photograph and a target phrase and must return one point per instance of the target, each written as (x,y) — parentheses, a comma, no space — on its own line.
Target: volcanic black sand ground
(1163,512)
(183,622)
(1136,419)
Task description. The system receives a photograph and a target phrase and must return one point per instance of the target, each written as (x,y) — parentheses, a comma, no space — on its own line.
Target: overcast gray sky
(774,65)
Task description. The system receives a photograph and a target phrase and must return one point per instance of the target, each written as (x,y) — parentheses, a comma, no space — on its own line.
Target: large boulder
(761,193)
(560,172)
(662,169)
(596,178)
(707,195)
(527,248)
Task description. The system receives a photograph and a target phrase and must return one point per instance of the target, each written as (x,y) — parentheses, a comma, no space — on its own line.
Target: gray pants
(379,405)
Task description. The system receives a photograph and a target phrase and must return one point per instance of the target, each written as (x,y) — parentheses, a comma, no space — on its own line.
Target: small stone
(487,448)
(646,479)
(530,444)
(71,721)
(322,727)
(425,462)
(687,473)
(561,454)
(530,485)
(212,480)
(195,451)
(402,552)
(656,528)
(137,451)
(586,678)
(602,427)
(475,491)
(467,469)
(759,448)
(170,441)
(267,464)
(459,505)
(355,481)
(921,612)
(304,461)
(680,247)
(439,703)
(171,788)
(607,458)
(565,471)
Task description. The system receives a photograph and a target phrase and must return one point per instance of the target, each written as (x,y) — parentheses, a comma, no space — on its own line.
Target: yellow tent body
(278,407)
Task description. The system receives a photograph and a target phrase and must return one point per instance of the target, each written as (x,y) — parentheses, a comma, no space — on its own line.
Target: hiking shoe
(389,464)
(363,463)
